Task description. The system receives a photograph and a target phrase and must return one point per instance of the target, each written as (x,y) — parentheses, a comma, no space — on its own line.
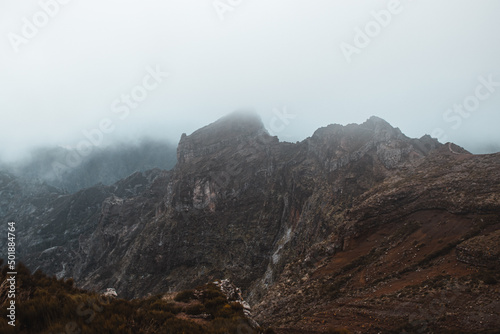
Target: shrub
(49,305)
(195,309)
(224,312)
(215,303)
(184,296)
(70,282)
(236,306)
(164,306)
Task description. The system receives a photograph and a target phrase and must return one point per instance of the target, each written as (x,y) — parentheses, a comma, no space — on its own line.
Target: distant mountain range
(356,227)
(71,171)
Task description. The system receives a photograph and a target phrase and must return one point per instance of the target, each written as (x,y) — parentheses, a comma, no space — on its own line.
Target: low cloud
(67,66)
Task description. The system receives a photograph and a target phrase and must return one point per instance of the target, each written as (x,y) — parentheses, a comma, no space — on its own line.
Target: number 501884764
(11,250)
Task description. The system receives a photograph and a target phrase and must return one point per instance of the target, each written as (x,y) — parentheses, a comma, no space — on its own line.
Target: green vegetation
(50,306)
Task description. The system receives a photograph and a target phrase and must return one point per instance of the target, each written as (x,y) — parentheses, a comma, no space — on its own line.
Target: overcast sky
(69,67)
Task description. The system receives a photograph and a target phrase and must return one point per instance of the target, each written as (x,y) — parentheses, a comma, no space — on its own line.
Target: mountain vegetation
(48,305)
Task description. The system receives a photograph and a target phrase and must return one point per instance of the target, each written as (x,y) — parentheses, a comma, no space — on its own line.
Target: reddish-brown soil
(394,289)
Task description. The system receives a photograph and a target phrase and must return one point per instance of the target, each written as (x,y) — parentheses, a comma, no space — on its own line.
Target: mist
(118,71)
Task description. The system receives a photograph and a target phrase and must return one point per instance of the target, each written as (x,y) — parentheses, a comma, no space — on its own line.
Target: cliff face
(212,216)
(52,227)
(282,221)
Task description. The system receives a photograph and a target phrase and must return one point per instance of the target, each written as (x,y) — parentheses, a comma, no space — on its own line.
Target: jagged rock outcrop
(234,294)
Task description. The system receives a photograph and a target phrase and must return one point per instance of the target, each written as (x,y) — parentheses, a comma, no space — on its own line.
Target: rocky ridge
(302,228)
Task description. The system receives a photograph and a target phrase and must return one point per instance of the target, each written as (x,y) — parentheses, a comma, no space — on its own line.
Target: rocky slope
(395,261)
(53,227)
(351,221)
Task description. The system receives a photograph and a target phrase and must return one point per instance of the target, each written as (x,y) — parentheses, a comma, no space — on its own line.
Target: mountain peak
(234,124)
(228,130)
(380,125)
(374,127)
